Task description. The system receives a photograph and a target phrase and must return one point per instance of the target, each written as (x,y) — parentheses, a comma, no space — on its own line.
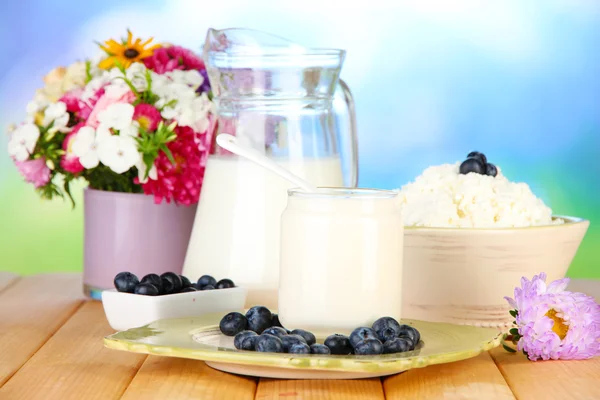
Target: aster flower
(34,171)
(22,141)
(69,161)
(552,323)
(147,116)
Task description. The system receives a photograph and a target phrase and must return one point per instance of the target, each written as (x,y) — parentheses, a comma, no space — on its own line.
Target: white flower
(136,73)
(141,167)
(22,141)
(119,153)
(58,114)
(191,78)
(85,147)
(118,116)
(192,113)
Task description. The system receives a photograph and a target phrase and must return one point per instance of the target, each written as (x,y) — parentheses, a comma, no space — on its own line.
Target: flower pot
(129,232)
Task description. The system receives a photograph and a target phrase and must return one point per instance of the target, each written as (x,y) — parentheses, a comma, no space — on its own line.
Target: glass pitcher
(279,98)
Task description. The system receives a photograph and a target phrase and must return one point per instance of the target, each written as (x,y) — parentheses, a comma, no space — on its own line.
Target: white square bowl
(125,310)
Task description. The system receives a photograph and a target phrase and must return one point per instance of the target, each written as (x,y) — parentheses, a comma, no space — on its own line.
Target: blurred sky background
(433,80)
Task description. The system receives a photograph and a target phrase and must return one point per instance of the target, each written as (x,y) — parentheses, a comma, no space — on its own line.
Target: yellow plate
(199,338)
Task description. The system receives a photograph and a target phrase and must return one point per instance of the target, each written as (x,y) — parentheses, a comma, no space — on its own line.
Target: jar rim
(344,192)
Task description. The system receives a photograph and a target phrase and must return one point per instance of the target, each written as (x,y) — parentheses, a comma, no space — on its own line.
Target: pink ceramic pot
(128,232)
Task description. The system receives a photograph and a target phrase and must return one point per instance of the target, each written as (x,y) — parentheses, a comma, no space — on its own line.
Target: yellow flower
(127,52)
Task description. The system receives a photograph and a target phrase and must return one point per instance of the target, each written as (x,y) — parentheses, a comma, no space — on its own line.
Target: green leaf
(509,349)
(88,71)
(168,153)
(67,189)
(513,313)
(514,331)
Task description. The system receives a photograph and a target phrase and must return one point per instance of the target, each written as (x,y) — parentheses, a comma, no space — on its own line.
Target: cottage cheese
(441,197)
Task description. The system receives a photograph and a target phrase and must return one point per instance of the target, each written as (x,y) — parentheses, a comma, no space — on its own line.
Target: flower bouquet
(136,122)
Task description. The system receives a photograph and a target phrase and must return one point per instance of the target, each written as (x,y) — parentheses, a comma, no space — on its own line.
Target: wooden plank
(74,364)
(577,380)
(475,378)
(6,278)
(590,287)
(31,310)
(360,389)
(182,379)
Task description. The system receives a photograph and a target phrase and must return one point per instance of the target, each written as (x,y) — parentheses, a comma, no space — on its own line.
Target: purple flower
(553,323)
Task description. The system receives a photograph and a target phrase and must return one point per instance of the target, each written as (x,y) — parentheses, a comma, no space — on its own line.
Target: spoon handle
(229,142)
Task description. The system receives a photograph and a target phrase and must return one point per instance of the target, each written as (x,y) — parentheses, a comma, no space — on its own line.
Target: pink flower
(34,171)
(553,323)
(72,100)
(106,101)
(69,161)
(179,182)
(167,59)
(147,116)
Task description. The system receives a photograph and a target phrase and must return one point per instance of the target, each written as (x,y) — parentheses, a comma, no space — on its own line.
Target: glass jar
(341,259)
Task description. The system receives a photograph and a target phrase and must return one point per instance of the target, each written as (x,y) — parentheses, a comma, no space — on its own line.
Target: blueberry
(480,156)
(206,280)
(269,344)
(155,280)
(397,345)
(185,282)
(225,284)
(362,333)
(275,321)
(319,348)
(239,339)
(411,333)
(491,170)
(308,336)
(338,344)
(368,347)
(472,165)
(290,340)
(188,289)
(146,289)
(126,282)
(259,319)
(171,282)
(233,323)
(299,348)
(386,328)
(207,287)
(249,342)
(276,331)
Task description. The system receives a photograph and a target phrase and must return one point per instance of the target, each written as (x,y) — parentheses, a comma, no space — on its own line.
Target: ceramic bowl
(126,311)
(461,276)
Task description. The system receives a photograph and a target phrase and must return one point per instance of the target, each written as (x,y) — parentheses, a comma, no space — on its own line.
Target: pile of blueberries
(477,162)
(167,283)
(260,330)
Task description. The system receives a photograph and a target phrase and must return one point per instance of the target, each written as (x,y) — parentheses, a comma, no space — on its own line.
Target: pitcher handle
(349,100)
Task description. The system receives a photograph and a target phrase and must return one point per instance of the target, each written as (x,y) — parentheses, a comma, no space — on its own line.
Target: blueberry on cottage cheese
(386,328)
(319,348)
(259,319)
(491,170)
(308,336)
(338,344)
(206,280)
(472,165)
(276,331)
(362,333)
(126,282)
(368,347)
(268,344)
(239,338)
(479,156)
(233,323)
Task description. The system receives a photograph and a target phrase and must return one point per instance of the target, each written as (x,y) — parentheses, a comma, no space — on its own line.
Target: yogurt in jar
(340,259)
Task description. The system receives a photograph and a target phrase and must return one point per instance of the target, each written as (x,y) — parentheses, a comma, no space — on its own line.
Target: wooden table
(51,348)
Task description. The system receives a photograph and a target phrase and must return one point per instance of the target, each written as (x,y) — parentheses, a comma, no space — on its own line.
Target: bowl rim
(569,221)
